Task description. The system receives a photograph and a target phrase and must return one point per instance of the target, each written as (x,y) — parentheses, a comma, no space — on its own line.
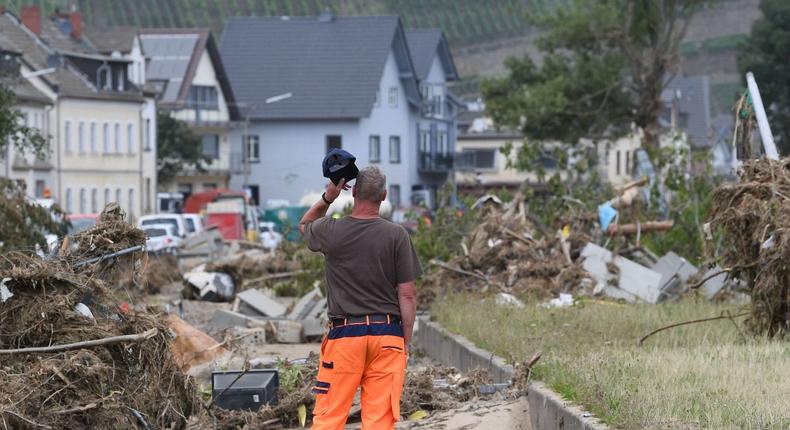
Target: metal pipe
(762,119)
(108,256)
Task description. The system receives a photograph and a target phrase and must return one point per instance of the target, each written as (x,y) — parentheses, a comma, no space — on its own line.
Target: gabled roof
(425,44)
(331,65)
(694,103)
(174,57)
(109,40)
(36,54)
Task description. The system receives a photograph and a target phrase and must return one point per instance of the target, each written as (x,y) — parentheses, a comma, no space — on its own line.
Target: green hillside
(464,21)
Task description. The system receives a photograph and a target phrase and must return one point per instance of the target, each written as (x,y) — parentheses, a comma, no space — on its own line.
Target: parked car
(176,220)
(161,238)
(80,222)
(194,223)
(270,238)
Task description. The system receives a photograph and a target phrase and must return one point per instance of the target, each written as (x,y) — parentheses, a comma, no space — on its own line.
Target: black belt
(365,319)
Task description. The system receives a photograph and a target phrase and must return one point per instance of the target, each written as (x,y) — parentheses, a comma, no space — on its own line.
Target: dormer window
(104,77)
(121,80)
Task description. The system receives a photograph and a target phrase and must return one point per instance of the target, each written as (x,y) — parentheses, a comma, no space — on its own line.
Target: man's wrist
(327,201)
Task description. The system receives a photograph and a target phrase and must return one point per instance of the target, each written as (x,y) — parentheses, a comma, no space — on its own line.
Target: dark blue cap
(340,164)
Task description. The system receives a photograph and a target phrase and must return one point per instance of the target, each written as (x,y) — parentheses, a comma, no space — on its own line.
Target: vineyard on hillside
(463,21)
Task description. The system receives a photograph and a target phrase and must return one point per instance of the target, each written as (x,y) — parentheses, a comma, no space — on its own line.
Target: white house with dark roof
(306,85)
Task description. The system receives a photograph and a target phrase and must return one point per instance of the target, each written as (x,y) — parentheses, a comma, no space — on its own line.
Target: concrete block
(287,331)
(305,305)
(636,280)
(715,284)
(675,271)
(249,337)
(225,319)
(210,285)
(313,328)
(260,304)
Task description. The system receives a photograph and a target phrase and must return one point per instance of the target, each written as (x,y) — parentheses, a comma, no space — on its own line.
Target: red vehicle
(228,210)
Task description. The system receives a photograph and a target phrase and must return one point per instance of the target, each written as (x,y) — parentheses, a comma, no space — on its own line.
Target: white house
(185,71)
(306,85)
(95,124)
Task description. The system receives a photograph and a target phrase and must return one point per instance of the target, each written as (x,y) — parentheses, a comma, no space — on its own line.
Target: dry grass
(703,376)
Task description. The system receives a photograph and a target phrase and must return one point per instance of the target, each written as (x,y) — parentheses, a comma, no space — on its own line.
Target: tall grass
(697,376)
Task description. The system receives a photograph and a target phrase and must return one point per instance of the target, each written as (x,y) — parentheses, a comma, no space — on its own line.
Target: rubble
(631,282)
(104,385)
(502,254)
(255,303)
(752,218)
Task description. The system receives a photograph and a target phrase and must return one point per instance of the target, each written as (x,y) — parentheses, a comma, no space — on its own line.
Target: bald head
(371,185)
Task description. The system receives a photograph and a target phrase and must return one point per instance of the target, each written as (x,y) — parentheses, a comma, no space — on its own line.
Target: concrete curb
(547,410)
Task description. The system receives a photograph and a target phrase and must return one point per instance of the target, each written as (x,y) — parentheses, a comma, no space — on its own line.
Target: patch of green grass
(697,376)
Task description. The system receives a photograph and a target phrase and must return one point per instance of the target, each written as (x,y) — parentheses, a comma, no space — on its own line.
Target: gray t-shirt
(366,259)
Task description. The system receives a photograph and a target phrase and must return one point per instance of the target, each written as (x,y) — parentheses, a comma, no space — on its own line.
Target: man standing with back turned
(371,268)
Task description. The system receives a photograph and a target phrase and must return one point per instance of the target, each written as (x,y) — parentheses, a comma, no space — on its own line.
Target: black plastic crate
(250,391)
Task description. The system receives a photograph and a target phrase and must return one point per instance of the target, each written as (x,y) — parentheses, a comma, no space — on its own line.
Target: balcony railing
(435,162)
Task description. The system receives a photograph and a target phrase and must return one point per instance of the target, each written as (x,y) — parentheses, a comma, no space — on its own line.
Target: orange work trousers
(366,355)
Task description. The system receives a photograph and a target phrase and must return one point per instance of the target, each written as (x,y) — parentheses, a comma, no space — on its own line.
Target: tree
(23,222)
(605,64)
(178,148)
(766,54)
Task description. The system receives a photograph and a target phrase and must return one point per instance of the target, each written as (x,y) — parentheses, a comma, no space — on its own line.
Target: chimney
(31,18)
(326,16)
(76,24)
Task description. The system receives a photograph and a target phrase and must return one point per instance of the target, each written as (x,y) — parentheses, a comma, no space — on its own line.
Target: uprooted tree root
(119,385)
(753,216)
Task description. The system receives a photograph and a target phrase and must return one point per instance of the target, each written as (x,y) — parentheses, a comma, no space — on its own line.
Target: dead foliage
(118,385)
(506,253)
(112,233)
(753,216)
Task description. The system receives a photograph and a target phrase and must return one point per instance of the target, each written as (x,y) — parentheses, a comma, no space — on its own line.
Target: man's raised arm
(318,210)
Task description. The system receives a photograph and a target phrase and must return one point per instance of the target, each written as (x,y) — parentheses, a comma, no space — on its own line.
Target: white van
(194,223)
(176,220)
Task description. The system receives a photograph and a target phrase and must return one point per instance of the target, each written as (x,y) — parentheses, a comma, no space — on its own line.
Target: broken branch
(84,344)
(458,270)
(647,227)
(720,317)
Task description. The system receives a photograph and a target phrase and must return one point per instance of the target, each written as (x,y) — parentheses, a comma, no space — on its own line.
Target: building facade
(307,85)
(95,124)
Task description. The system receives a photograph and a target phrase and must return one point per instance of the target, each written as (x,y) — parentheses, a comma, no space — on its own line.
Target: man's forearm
(407,300)
(318,210)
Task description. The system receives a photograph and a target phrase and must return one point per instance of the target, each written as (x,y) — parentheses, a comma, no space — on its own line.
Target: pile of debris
(256,310)
(503,254)
(73,359)
(753,217)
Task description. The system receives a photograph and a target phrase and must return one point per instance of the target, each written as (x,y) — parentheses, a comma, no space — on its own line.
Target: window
(209,186)
(393,97)
(67,136)
(69,203)
(118,196)
(81,137)
(106,141)
(94,147)
(443,147)
(333,141)
(40,187)
(185,189)
(130,139)
(117,138)
(374,147)
(104,77)
(617,164)
(147,195)
(394,149)
(107,196)
(478,158)
(394,195)
(253,148)
(83,200)
(147,134)
(94,201)
(203,97)
(377,102)
(131,203)
(627,162)
(211,146)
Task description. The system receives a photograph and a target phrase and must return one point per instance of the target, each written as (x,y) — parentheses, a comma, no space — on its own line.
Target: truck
(230,211)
